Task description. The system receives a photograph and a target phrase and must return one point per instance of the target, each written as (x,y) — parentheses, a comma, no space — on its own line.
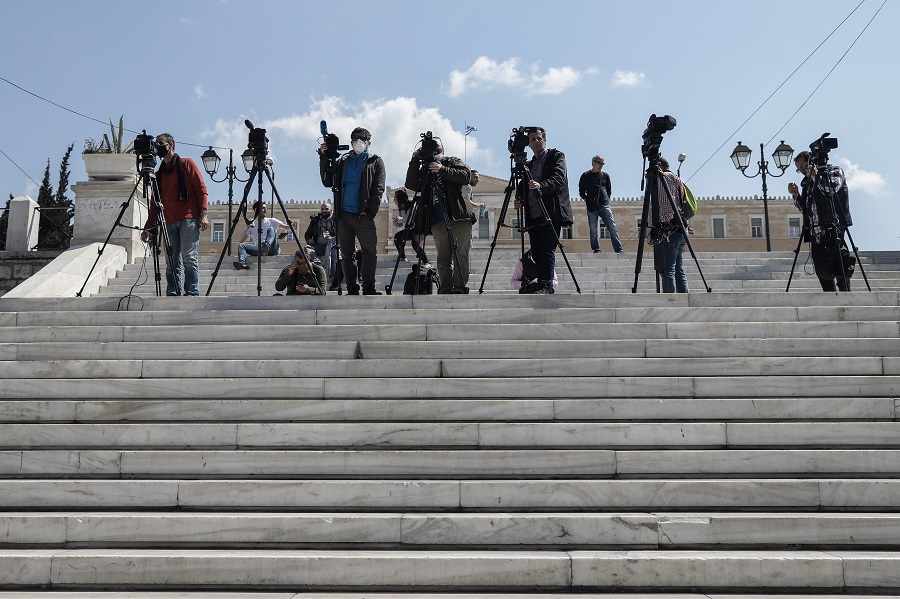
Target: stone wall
(16,267)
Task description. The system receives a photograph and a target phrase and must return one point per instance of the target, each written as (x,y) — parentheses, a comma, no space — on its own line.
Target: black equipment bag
(427,282)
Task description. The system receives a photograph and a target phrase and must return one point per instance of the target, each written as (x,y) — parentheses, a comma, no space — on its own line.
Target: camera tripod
(418,211)
(259,168)
(520,176)
(836,227)
(159,233)
(651,201)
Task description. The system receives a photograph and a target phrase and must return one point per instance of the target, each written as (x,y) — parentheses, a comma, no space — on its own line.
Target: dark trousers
(828,256)
(353,228)
(543,249)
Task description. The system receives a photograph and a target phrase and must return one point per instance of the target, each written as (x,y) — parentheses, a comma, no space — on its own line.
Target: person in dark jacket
(595,188)
(453,177)
(357,180)
(298,279)
(548,188)
(815,199)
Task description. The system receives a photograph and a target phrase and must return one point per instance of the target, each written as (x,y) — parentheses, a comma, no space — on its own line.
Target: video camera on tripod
(657,126)
(818,150)
(257,141)
(518,141)
(145,151)
(332,142)
(428,151)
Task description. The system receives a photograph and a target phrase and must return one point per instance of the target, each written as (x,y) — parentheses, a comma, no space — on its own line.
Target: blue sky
(591,73)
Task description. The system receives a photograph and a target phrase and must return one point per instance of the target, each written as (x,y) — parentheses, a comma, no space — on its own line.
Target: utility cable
(758,108)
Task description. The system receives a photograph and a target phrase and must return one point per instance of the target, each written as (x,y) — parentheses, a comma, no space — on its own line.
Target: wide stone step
(442,530)
(455,332)
(458,315)
(628,409)
(481,349)
(467,387)
(407,595)
(833,571)
(447,367)
(451,463)
(807,494)
(610,435)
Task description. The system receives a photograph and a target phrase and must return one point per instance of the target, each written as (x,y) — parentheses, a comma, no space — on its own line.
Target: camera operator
(185,202)
(358,183)
(454,175)
(549,186)
(814,200)
(320,236)
(297,278)
(401,200)
(595,189)
(665,233)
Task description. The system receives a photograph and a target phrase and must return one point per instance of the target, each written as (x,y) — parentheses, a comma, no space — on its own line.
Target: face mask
(162,151)
(359,146)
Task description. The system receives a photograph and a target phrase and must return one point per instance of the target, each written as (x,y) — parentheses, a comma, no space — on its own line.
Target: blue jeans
(250,248)
(184,237)
(671,270)
(605,213)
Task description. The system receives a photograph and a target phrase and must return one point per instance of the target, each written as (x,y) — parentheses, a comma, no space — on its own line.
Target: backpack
(427,282)
(689,206)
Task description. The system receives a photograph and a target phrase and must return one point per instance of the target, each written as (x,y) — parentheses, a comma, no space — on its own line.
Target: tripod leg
(858,261)
(242,209)
(500,223)
(409,226)
(794,265)
(108,237)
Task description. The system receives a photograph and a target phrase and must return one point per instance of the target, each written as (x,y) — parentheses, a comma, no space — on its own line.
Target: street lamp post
(741,159)
(211,163)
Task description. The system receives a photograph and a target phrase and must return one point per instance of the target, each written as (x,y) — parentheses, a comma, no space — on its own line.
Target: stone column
(22,226)
(98,203)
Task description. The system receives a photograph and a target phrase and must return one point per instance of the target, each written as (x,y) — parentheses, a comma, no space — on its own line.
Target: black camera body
(334,147)
(429,147)
(518,141)
(653,134)
(144,150)
(818,150)
(257,141)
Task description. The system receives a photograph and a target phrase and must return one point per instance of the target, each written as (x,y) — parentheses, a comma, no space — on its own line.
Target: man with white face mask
(357,180)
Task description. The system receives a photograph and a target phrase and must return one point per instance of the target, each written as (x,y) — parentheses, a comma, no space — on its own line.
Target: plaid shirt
(666,213)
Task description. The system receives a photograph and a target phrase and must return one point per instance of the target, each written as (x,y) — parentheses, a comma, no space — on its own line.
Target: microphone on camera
(249,124)
(323,128)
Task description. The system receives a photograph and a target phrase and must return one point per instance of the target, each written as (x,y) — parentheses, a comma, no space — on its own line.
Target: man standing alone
(595,189)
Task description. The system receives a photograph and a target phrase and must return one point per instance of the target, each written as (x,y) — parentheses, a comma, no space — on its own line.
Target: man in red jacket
(185,201)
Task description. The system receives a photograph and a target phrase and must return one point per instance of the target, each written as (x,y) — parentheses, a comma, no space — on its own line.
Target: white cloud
(862,180)
(628,79)
(199,93)
(485,73)
(395,125)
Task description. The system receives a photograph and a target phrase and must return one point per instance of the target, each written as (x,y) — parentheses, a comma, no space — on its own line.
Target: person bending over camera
(814,200)
(298,279)
(453,175)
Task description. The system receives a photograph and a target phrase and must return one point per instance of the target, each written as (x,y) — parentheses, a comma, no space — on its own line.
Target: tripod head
(143,149)
(258,143)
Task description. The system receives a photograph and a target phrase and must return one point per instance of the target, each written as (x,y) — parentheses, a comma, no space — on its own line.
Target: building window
(602,232)
(514,231)
(794,226)
(756,228)
(718,227)
(218,232)
(289,236)
(566,232)
(484,224)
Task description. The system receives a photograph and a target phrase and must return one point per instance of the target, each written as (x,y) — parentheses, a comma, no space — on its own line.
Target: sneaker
(370,290)
(620,252)
(264,248)
(352,289)
(596,251)
(241,265)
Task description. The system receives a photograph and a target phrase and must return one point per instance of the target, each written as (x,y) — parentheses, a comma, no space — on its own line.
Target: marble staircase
(725,444)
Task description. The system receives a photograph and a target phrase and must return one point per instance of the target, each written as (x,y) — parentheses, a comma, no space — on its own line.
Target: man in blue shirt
(357,180)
